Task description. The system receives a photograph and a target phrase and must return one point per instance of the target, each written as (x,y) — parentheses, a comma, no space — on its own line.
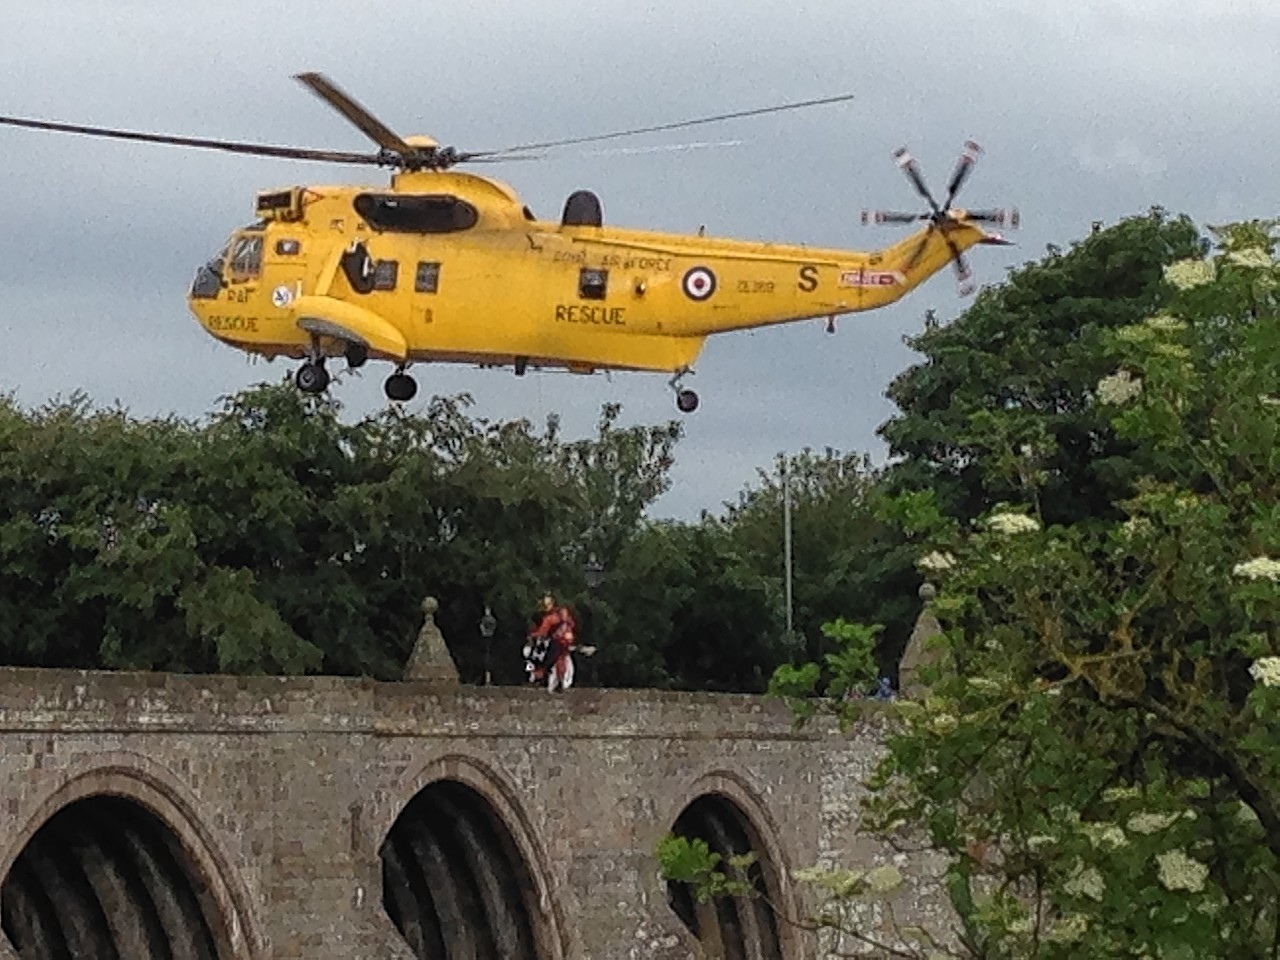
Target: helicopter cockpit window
(593,284)
(427,213)
(208,282)
(245,262)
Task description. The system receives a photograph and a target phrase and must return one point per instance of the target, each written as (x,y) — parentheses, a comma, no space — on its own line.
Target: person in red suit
(549,651)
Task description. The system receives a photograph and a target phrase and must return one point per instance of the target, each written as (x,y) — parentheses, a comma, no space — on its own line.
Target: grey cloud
(1091,110)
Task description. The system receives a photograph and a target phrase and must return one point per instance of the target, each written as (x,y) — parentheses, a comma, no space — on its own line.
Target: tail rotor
(943,218)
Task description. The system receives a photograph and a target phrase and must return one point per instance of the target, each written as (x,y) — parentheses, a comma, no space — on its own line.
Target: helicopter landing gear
(357,355)
(400,387)
(686,400)
(312,377)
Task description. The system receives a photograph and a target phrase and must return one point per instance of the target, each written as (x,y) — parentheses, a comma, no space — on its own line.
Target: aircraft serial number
(243,324)
(577,313)
(755,286)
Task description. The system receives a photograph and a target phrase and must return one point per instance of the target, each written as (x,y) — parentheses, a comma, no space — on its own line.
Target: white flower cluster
(1259,568)
(1011,523)
(1147,823)
(1163,323)
(1137,527)
(1116,794)
(1120,387)
(1268,401)
(936,562)
(943,723)
(1106,835)
(1069,929)
(1086,882)
(1253,257)
(1266,671)
(1178,871)
(1185,274)
(984,684)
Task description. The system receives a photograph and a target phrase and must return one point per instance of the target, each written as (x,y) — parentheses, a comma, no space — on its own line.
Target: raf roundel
(699,283)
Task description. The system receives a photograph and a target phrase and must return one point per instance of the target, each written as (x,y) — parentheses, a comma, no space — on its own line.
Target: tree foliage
(275,538)
(846,560)
(1099,765)
(1016,374)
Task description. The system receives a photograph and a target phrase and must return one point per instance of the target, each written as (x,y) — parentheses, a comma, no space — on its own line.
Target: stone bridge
(158,815)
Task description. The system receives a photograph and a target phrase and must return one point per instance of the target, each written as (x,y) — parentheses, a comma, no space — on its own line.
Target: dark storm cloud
(1090,110)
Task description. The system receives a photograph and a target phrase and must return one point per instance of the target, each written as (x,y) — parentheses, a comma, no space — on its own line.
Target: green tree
(275,538)
(846,560)
(1004,395)
(1099,766)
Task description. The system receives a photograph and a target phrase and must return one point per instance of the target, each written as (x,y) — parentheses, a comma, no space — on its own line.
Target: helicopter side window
(385,274)
(427,213)
(593,284)
(245,262)
(427,278)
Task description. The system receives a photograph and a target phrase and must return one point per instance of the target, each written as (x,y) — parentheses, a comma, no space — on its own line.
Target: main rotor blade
(679,125)
(229,146)
(368,124)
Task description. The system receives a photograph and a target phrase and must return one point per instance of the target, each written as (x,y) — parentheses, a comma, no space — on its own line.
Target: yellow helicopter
(444,266)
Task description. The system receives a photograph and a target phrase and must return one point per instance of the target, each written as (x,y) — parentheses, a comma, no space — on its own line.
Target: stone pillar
(919,651)
(430,659)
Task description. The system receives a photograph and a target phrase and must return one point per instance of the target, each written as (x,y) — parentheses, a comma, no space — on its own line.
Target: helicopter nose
(207,284)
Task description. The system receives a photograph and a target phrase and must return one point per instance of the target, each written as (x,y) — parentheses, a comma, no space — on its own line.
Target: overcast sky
(1087,111)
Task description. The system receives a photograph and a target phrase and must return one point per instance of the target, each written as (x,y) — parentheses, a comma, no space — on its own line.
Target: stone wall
(282,792)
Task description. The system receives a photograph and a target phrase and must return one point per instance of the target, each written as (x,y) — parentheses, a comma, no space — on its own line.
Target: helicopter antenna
(941,218)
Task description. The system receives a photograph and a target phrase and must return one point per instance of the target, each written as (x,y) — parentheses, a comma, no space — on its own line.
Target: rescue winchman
(549,650)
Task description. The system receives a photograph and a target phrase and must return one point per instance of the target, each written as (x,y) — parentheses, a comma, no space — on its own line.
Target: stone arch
(462,862)
(135,868)
(722,809)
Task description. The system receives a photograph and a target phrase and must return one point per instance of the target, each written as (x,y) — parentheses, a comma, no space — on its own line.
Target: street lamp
(488,626)
(593,570)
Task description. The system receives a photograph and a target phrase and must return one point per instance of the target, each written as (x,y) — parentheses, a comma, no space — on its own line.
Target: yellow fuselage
(494,286)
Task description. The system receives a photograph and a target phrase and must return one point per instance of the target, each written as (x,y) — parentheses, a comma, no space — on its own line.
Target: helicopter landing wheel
(686,401)
(357,355)
(311,377)
(400,387)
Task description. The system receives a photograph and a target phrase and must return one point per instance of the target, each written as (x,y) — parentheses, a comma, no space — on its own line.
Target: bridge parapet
(289,802)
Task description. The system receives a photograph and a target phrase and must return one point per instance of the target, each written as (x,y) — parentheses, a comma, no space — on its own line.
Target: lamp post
(783,462)
(488,626)
(593,573)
